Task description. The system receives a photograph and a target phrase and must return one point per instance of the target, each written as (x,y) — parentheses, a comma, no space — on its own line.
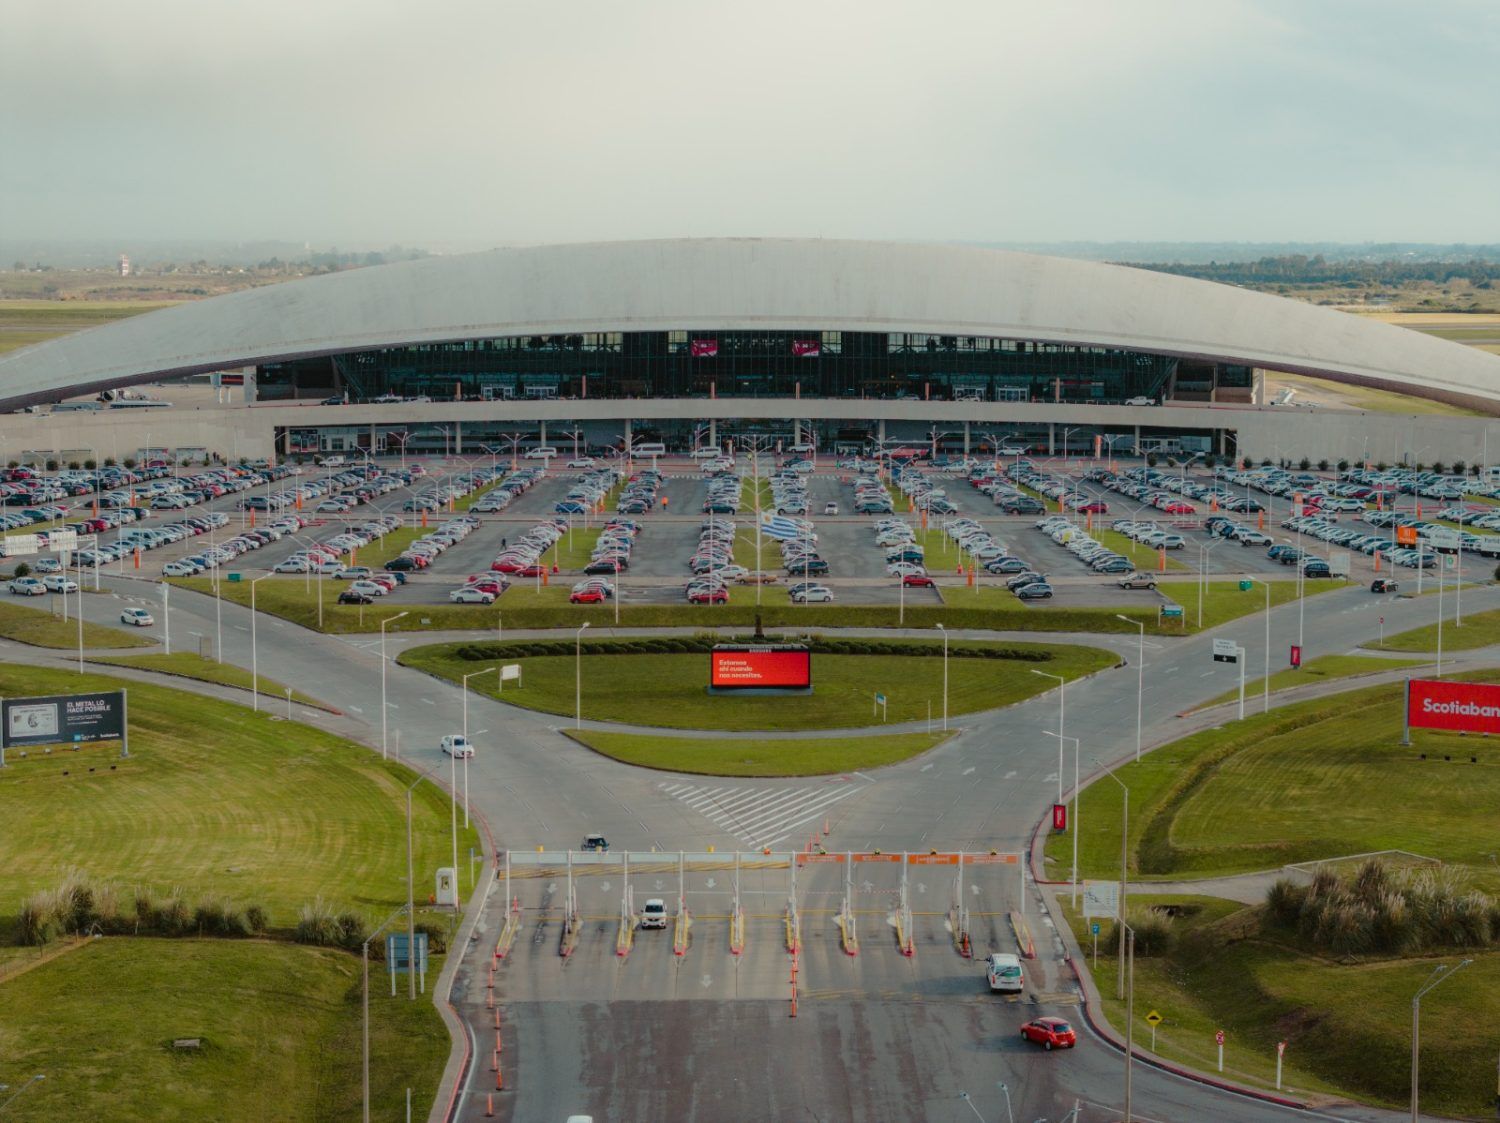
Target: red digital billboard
(776,666)
(1469,707)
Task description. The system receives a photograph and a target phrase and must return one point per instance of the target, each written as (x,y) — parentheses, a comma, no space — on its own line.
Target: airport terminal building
(841,344)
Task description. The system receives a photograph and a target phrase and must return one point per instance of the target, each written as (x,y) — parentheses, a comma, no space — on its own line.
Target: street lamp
(383,623)
(1062,717)
(254,652)
(578,677)
(1129,1009)
(1266,675)
(1203,552)
(37,1079)
(945,676)
(1439,974)
(364,955)
(1073,826)
(466,679)
(1140,678)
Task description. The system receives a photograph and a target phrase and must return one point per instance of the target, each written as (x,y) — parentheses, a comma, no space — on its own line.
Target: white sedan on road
(456,745)
(57,583)
(471,596)
(138,617)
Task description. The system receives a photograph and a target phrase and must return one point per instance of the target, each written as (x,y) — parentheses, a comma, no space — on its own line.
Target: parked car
(28,587)
(470,595)
(1037,590)
(349,596)
(1384,585)
(813,593)
(1137,581)
(1050,1033)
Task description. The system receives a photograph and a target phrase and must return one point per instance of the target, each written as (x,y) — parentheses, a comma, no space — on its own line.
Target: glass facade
(751,364)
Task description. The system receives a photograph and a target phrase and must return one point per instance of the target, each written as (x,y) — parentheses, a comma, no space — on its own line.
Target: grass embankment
(1327,668)
(806,756)
(43,629)
(1480,629)
(1347,1025)
(641,685)
(1223,601)
(752,500)
(188,664)
(214,801)
(1142,557)
(1309,781)
(279,1025)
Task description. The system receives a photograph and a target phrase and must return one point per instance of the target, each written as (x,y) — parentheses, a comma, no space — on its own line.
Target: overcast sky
(482,122)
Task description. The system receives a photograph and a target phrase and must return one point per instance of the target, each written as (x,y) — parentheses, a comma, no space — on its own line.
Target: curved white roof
(750,283)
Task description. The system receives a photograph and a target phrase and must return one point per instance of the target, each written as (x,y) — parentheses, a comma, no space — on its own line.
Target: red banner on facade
(1469,707)
(704,348)
(807,348)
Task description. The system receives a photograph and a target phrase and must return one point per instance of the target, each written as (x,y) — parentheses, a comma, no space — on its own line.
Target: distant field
(27,322)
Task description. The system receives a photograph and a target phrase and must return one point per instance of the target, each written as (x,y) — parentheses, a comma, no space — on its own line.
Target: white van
(1004,973)
(541,453)
(648,448)
(707,452)
(332,462)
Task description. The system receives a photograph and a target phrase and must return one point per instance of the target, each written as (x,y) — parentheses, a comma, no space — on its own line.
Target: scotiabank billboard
(742,667)
(1469,707)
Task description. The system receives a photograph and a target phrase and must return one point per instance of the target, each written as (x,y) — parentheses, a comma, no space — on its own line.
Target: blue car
(570,507)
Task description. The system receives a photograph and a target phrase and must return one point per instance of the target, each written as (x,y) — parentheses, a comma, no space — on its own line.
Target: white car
(28,587)
(456,745)
(582,462)
(138,617)
(1138,401)
(178,569)
(57,583)
(368,588)
(47,565)
(812,594)
(654,915)
(471,596)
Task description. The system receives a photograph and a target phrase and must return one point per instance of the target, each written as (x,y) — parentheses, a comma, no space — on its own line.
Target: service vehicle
(654,915)
(1003,971)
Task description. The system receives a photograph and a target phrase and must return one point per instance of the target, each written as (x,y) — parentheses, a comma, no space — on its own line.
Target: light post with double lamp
(1127,930)
(1266,674)
(1203,551)
(1439,974)
(1140,678)
(466,679)
(1062,719)
(1073,825)
(14,1096)
(578,677)
(383,623)
(945,676)
(254,650)
(364,956)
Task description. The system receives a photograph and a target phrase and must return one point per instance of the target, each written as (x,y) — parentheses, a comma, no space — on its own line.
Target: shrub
(1459,467)
(255,919)
(51,464)
(1151,459)
(1284,901)
(1323,465)
(90,464)
(1437,466)
(316,924)
(1155,934)
(1304,464)
(23,570)
(351,930)
(437,937)
(1343,465)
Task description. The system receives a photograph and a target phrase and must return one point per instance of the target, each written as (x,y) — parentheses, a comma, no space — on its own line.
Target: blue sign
(880,698)
(1094,928)
(396,958)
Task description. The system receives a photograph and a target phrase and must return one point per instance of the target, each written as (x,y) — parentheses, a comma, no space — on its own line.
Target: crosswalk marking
(760,816)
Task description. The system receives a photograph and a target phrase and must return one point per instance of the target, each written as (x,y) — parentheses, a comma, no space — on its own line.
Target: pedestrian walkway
(760,816)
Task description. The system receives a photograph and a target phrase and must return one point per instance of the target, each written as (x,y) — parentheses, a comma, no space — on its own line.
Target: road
(708,1035)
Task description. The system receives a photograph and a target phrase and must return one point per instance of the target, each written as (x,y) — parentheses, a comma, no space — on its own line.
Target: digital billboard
(1468,707)
(768,666)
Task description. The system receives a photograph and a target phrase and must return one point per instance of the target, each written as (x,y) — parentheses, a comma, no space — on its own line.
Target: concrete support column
(881,431)
(1137,439)
(966,440)
(458,438)
(713,432)
(629,436)
(1051,438)
(542,434)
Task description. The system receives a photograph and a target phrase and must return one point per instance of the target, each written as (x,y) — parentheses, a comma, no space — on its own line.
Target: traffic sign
(1280,1048)
(1226,651)
(1219,1037)
(1101,898)
(1094,929)
(1153,1018)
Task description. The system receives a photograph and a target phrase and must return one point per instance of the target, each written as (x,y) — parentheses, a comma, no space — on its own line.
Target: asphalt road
(879,1036)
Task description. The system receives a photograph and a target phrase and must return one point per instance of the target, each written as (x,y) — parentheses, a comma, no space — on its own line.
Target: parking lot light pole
(578,677)
(364,955)
(37,1079)
(383,623)
(1124,855)
(1266,675)
(1140,678)
(1073,826)
(1203,552)
(945,676)
(1439,973)
(254,655)
(1062,718)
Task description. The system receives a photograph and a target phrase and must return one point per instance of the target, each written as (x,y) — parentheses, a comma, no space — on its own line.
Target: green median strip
(188,664)
(43,629)
(739,756)
(1326,668)
(1479,629)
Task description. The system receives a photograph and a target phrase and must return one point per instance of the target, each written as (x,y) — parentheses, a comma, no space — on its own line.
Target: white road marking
(967,771)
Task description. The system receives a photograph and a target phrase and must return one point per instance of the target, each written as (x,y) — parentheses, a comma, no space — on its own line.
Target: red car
(1178,507)
(1096,507)
(1050,1033)
(487,585)
(586,596)
(917,580)
(708,596)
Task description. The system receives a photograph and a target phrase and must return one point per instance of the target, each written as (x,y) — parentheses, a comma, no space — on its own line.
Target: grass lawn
(1347,1025)
(42,629)
(1479,629)
(571,551)
(191,665)
(1224,601)
(280,1025)
(214,799)
(377,553)
(810,756)
(668,690)
(748,500)
(1142,557)
(1323,669)
(1318,779)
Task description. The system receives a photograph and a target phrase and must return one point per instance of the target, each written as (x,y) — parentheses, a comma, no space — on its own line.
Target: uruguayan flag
(782,529)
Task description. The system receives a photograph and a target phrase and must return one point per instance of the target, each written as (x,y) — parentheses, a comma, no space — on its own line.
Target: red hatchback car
(916,580)
(1050,1033)
(586,596)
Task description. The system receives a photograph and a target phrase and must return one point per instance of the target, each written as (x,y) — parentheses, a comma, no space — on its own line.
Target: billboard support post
(124,725)
(1406,717)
